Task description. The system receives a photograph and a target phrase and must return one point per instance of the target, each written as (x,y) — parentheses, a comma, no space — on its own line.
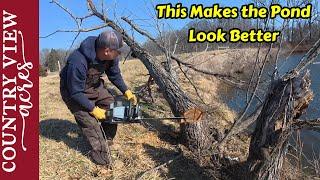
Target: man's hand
(98,113)
(131,97)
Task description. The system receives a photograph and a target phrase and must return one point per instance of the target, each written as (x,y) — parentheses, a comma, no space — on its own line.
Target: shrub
(43,71)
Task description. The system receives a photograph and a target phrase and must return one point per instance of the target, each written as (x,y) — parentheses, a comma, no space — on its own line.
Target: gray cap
(111,39)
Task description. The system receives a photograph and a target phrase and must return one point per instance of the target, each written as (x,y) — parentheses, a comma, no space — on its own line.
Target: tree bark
(195,135)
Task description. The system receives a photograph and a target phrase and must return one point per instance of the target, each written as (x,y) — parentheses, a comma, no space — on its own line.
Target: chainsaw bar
(163,118)
(123,111)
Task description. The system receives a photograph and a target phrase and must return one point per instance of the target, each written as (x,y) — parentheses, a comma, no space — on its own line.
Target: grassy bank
(139,148)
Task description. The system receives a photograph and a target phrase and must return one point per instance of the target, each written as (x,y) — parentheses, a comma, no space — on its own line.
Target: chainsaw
(123,111)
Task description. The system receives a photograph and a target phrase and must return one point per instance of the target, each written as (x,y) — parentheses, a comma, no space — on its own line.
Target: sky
(53,18)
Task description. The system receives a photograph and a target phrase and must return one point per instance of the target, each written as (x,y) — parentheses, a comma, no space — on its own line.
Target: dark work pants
(90,127)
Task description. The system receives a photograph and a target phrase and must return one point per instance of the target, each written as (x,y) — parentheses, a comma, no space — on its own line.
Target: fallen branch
(313,124)
(160,166)
(244,125)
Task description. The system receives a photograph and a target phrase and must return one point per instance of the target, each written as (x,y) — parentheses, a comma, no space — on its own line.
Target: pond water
(236,99)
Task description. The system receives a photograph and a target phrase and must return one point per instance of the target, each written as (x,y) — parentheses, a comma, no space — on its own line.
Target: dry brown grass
(136,149)
(63,151)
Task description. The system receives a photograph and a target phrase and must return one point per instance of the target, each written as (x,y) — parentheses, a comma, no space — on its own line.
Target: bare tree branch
(225,78)
(193,85)
(310,124)
(160,166)
(76,30)
(257,61)
(67,11)
(250,101)
(307,59)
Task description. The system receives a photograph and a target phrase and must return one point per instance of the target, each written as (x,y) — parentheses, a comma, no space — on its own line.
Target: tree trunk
(286,101)
(195,135)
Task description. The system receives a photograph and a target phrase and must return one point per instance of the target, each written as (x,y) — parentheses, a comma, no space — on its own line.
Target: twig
(253,72)
(76,30)
(276,71)
(307,59)
(257,61)
(78,21)
(225,78)
(193,85)
(160,166)
(221,143)
(296,46)
(67,11)
(311,124)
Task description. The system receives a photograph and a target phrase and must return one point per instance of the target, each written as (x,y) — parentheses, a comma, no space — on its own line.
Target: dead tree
(286,101)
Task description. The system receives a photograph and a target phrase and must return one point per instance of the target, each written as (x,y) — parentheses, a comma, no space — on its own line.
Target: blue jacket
(74,74)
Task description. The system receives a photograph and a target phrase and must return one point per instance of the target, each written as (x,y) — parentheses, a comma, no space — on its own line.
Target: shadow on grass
(166,132)
(235,170)
(65,131)
(180,168)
